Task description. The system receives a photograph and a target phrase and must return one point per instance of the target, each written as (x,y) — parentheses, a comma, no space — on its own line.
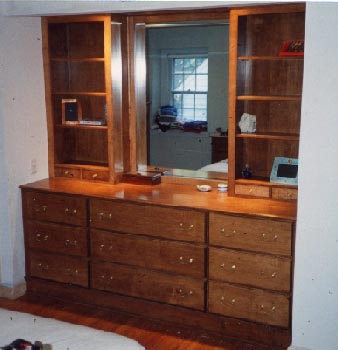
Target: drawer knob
(273,309)
(41,209)
(222,265)
(38,237)
(43,267)
(233,301)
(265,238)
(233,267)
(45,238)
(191,260)
(94,176)
(274,274)
(181,226)
(228,234)
(262,307)
(105,216)
(101,246)
(69,174)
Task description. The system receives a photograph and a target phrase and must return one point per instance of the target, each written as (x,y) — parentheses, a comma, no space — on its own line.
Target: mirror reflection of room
(187,95)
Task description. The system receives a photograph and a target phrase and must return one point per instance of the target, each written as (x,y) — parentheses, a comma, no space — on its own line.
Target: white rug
(61,335)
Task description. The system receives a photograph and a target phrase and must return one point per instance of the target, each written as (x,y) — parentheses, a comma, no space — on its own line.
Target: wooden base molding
(272,337)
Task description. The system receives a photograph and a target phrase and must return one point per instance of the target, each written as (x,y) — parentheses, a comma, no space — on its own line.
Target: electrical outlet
(34,167)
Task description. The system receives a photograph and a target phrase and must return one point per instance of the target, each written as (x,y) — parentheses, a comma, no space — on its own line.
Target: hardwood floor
(152,335)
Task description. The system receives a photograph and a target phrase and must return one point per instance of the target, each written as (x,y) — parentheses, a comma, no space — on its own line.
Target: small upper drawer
(67,172)
(249,303)
(54,207)
(178,224)
(260,235)
(56,238)
(250,268)
(95,175)
(60,268)
(252,190)
(284,193)
(182,258)
(151,285)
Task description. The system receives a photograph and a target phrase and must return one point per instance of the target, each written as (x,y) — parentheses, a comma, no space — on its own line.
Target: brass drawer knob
(233,301)
(274,274)
(38,237)
(228,233)
(273,309)
(191,227)
(233,267)
(94,176)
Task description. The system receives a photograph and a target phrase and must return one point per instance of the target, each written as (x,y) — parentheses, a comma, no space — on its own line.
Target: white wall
(315,311)
(23,134)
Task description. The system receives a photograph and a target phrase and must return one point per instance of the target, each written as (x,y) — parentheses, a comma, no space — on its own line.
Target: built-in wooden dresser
(166,252)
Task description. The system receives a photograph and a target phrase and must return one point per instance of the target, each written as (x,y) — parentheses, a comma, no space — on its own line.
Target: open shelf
(268,98)
(269,58)
(270,136)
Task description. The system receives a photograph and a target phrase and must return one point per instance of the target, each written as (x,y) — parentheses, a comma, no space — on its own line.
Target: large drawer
(252,304)
(54,207)
(260,235)
(178,224)
(249,268)
(151,285)
(56,238)
(60,268)
(179,257)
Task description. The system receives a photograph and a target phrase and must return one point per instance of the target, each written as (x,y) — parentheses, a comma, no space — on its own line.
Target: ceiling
(59,7)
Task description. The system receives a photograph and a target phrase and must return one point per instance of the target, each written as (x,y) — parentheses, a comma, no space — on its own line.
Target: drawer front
(56,238)
(60,268)
(95,175)
(55,207)
(261,235)
(177,290)
(284,193)
(252,304)
(178,224)
(182,258)
(67,172)
(252,190)
(249,268)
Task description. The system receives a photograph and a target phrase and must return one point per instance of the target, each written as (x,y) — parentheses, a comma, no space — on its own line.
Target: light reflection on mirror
(187,97)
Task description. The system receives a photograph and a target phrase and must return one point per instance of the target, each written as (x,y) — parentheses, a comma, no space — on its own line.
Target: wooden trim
(233,33)
(75,18)
(48,96)
(269,9)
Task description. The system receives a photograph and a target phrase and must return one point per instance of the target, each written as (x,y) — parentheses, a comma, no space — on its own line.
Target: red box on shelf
(292,48)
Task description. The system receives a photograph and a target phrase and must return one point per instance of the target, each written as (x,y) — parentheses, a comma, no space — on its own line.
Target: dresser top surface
(173,195)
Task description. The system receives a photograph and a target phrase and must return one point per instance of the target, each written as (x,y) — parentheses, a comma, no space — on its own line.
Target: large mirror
(187,97)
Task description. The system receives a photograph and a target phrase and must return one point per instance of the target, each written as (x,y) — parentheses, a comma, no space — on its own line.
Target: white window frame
(167,57)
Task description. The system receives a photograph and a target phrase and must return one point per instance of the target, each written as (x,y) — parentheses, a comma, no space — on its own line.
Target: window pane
(189,83)
(201,101)
(188,114)
(178,82)
(200,114)
(188,101)
(189,65)
(178,65)
(201,83)
(178,101)
(201,65)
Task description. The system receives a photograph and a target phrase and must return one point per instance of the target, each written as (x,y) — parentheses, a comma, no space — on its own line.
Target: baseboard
(13,292)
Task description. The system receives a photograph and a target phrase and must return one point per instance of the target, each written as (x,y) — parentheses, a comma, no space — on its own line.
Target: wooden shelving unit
(269,86)
(77,59)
